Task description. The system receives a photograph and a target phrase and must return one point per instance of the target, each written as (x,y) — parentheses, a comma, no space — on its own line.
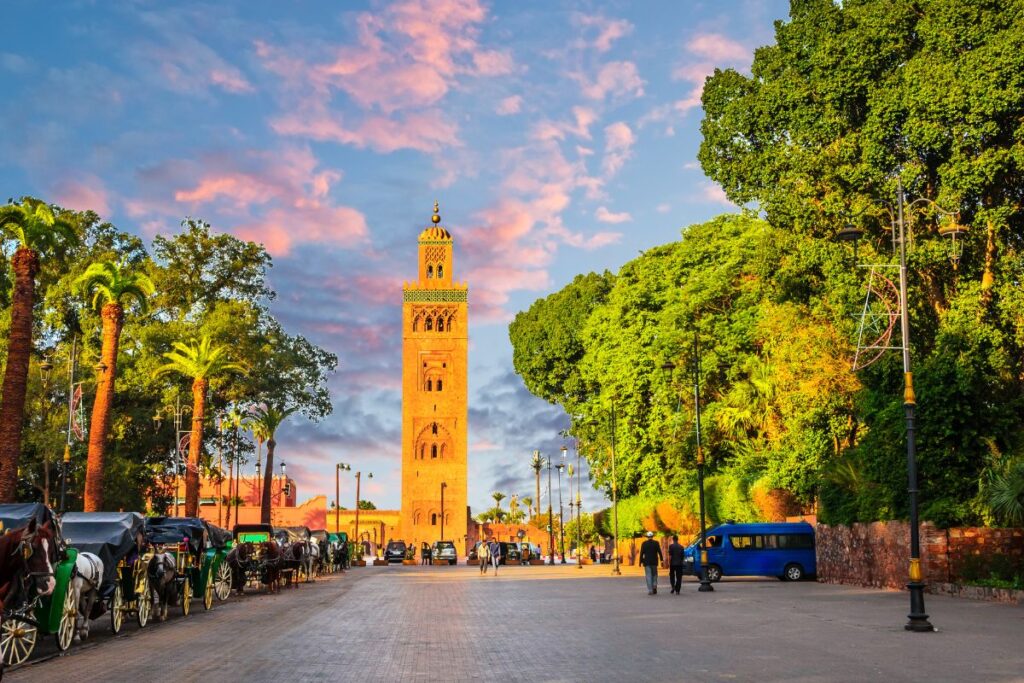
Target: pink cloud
(605,216)
(663,208)
(711,192)
(509,105)
(427,131)
(230,80)
(277,198)
(719,48)
(87,192)
(615,79)
(619,140)
(608,30)
(583,117)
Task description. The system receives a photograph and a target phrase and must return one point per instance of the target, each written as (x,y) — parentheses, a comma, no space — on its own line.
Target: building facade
(435,345)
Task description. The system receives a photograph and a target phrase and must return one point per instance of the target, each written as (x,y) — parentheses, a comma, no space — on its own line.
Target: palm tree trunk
(25,264)
(195,446)
(99,427)
(537,472)
(268,481)
(231,483)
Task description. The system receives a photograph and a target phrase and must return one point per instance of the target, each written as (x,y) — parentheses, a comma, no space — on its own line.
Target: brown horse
(271,560)
(27,558)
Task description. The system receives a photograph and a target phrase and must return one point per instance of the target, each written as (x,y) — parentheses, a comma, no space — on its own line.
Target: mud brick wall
(878,554)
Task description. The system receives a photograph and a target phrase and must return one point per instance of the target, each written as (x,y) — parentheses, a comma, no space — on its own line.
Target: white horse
(86,587)
(311,559)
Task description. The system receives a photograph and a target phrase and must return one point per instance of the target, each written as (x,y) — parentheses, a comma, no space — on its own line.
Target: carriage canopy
(320,535)
(111,536)
(219,538)
(167,530)
(253,533)
(17,515)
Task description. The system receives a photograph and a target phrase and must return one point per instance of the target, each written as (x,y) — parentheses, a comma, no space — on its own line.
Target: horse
(85,583)
(294,555)
(311,560)
(239,560)
(26,556)
(271,562)
(162,571)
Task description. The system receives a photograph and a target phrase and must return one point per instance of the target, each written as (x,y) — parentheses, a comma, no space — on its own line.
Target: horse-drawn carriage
(339,548)
(325,562)
(26,612)
(119,540)
(255,557)
(183,553)
(301,553)
(216,559)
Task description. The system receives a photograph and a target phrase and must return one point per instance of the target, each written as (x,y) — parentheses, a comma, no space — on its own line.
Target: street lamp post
(668,367)
(579,512)
(568,471)
(917,620)
(615,502)
(66,463)
(359,476)
(177,411)
(337,493)
(444,485)
(561,511)
(45,368)
(551,521)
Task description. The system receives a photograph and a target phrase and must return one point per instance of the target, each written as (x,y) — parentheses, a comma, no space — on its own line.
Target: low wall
(878,554)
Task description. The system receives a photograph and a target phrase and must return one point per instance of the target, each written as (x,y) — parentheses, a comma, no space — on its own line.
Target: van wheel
(794,572)
(713,573)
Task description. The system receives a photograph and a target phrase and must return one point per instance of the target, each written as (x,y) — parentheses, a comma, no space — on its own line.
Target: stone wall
(877,554)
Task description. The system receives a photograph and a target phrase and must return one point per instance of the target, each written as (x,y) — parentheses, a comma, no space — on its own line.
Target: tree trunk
(113,320)
(537,472)
(988,279)
(25,264)
(195,446)
(268,481)
(230,500)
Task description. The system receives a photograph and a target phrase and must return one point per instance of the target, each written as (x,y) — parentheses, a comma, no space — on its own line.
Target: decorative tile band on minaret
(435,342)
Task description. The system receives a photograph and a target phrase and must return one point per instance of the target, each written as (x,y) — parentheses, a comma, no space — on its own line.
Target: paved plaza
(554,624)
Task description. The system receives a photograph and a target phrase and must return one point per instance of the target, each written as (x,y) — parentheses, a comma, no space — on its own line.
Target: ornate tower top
(434,271)
(435,233)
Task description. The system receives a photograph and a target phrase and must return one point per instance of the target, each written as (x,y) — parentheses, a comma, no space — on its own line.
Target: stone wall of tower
(435,344)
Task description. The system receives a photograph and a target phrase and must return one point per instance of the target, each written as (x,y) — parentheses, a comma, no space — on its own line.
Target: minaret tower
(435,344)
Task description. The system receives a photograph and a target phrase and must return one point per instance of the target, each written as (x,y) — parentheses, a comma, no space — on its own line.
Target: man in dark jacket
(650,558)
(675,565)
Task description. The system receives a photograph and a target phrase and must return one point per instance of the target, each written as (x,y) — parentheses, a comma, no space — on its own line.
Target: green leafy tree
(109,285)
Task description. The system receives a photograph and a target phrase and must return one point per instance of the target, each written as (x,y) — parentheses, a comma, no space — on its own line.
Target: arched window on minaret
(430,272)
(433,428)
(440,271)
(416,324)
(448,324)
(423,451)
(433,451)
(433,519)
(430,385)
(439,385)
(440,324)
(429,324)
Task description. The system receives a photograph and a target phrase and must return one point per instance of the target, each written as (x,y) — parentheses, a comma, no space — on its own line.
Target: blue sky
(559,138)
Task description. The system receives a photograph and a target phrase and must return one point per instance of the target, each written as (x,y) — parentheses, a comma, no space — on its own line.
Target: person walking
(483,554)
(495,550)
(650,558)
(675,565)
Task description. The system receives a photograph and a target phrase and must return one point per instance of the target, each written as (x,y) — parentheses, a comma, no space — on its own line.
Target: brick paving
(554,624)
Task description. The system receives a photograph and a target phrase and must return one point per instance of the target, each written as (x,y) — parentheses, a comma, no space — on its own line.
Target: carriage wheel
(17,640)
(69,614)
(117,609)
(145,605)
(186,596)
(208,591)
(223,581)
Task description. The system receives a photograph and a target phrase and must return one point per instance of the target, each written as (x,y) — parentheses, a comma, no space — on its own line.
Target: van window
(712,541)
(747,542)
(796,541)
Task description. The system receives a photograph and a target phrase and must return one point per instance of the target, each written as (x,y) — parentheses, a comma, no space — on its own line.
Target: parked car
(395,552)
(444,550)
(509,552)
(784,550)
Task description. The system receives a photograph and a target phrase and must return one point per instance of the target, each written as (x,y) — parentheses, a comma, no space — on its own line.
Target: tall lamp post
(615,501)
(66,463)
(45,368)
(359,477)
(561,511)
(444,485)
(917,620)
(177,411)
(579,511)
(668,367)
(568,472)
(551,520)
(338,469)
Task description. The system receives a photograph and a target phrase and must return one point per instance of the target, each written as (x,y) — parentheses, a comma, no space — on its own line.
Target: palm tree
(537,463)
(110,285)
(267,419)
(234,419)
(528,502)
(36,230)
(200,360)
(498,496)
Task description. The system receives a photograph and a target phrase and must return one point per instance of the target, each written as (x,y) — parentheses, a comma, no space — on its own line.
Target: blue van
(783,549)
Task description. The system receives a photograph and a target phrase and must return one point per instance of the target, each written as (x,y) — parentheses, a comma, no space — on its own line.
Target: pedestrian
(675,565)
(650,558)
(483,554)
(495,550)
(593,554)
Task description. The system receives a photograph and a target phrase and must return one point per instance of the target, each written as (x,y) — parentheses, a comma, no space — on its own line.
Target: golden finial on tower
(435,218)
